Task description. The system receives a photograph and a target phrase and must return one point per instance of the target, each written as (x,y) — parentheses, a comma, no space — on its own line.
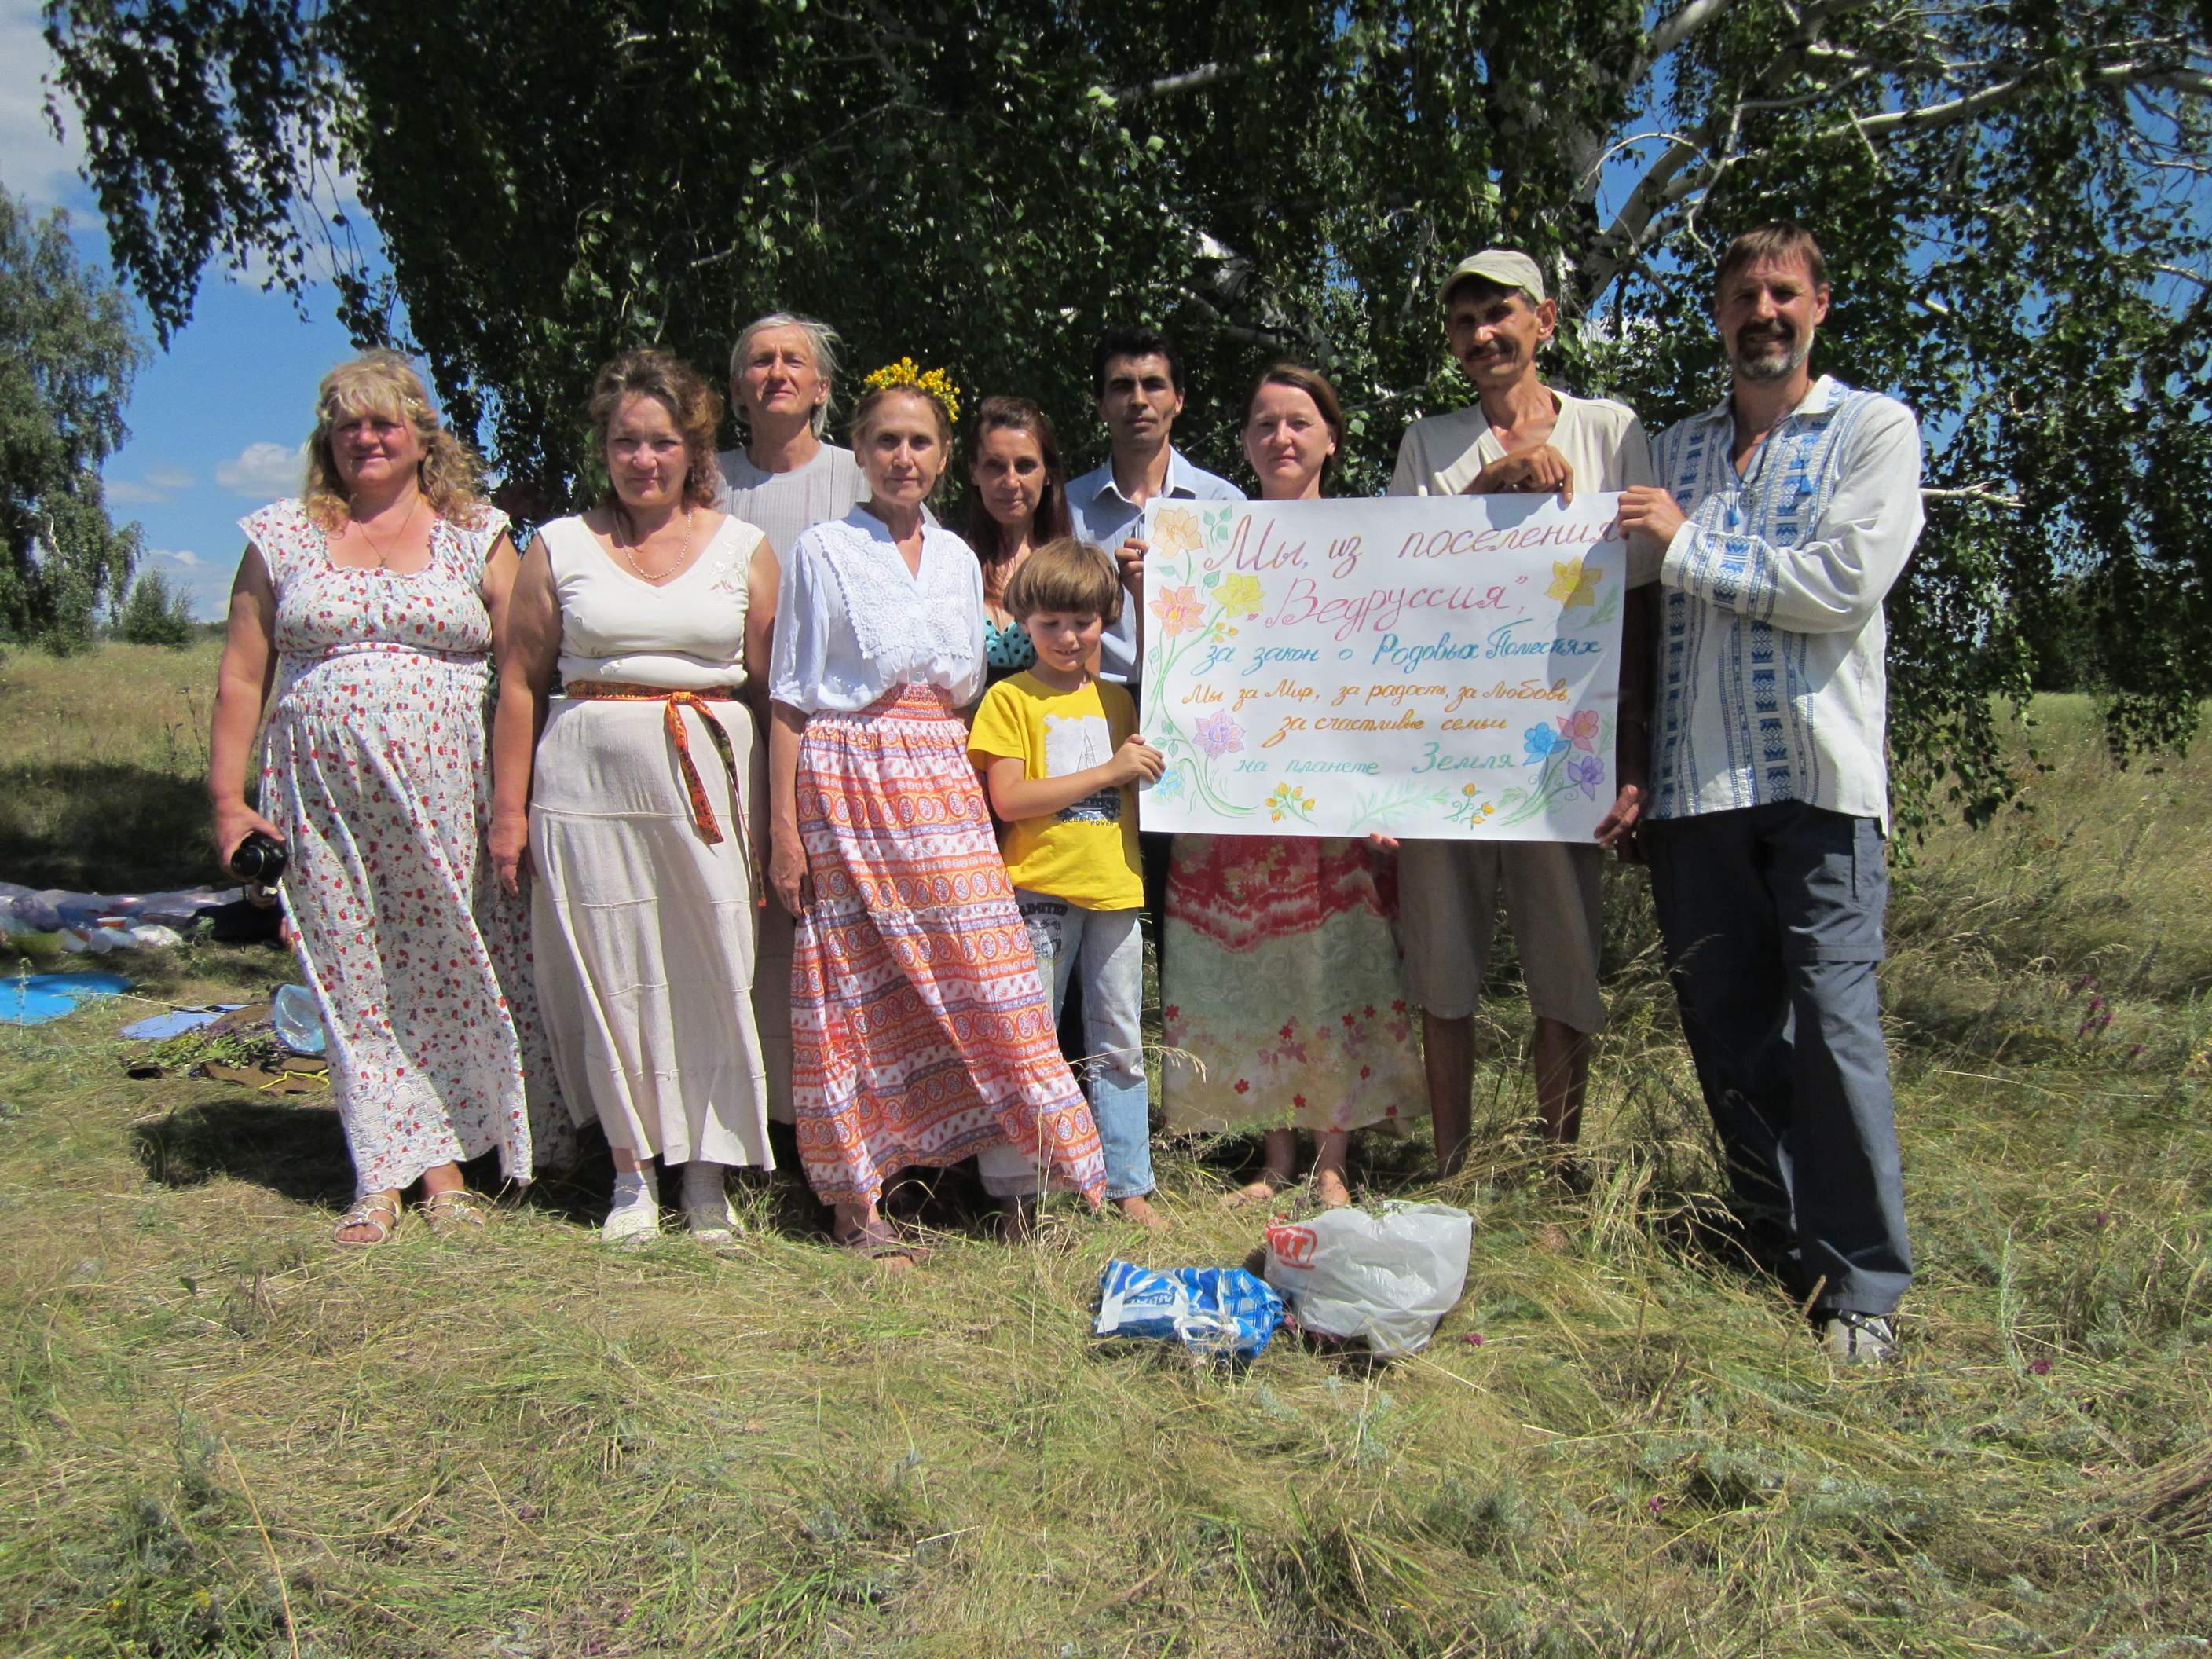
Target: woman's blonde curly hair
(385,384)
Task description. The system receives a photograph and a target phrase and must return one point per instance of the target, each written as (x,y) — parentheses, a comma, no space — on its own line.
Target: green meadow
(226,1436)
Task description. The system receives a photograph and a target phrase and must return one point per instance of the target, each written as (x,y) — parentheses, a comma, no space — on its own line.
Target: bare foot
(1018,1221)
(1262,1191)
(1329,1187)
(896,1264)
(1141,1211)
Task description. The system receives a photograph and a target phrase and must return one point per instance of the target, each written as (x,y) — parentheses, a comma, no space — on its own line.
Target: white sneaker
(712,1222)
(629,1225)
(1857,1339)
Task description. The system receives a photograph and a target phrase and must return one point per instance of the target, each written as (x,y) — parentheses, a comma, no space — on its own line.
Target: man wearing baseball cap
(1520,436)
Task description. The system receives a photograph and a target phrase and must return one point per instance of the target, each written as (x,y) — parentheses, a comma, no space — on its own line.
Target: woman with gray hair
(782,376)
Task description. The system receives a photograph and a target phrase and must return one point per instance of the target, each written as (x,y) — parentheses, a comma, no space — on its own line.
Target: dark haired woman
(1020,503)
(626,804)
(1281,965)
(922,1033)
(370,605)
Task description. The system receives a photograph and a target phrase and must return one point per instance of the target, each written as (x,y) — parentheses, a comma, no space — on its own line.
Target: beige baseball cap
(1502,266)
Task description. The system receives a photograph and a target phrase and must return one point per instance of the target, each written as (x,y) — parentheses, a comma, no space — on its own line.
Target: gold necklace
(621,522)
(384,554)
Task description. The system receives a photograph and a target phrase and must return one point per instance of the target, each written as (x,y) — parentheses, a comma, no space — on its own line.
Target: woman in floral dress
(370,603)
(1281,965)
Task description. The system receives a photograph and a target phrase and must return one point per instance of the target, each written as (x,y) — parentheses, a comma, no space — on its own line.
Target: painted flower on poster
(1580,728)
(1175,530)
(1217,735)
(1241,595)
(1542,741)
(1586,772)
(1170,786)
(1289,798)
(1179,611)
(1470,809)
(1572,584)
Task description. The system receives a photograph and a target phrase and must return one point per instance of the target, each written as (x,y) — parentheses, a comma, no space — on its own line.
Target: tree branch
(1930,117)
(1974,492)
(1197,80)
(1681,26)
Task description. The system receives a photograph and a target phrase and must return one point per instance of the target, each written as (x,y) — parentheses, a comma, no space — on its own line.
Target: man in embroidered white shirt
(1786,514)
(1520,436)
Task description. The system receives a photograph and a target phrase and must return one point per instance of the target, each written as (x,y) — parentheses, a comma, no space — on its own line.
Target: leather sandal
(455,1212)
(378,1210)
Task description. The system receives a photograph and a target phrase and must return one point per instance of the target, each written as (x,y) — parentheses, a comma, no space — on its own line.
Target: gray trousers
(1772,917)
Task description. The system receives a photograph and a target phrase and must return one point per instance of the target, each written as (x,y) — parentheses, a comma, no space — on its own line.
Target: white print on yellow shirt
(1076,743)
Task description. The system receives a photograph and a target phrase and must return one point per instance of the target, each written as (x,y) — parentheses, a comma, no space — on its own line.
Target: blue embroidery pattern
(1724,648)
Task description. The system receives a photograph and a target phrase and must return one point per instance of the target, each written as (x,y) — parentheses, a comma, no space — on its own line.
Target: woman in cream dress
(623,799)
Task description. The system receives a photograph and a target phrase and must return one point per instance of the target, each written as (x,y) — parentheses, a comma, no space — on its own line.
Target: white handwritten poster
(1443,667)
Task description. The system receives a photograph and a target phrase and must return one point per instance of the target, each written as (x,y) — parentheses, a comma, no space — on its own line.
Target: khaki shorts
(1448,894)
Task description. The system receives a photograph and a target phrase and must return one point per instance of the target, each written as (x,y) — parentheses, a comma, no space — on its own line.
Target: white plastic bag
(1388,1278)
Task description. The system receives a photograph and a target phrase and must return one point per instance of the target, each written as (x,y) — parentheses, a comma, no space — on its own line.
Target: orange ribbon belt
(702,811)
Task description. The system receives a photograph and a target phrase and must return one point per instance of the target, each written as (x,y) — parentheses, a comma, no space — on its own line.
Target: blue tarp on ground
(35,999)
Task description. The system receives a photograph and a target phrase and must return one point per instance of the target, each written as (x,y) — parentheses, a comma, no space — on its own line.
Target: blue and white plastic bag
(1224,1312)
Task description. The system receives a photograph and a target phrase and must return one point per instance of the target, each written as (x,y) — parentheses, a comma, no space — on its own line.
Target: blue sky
(216,421)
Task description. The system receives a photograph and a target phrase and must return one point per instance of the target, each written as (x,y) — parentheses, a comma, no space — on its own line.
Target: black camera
(259,858)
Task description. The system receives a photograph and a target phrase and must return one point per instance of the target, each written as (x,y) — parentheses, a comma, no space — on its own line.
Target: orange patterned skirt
(920,1030)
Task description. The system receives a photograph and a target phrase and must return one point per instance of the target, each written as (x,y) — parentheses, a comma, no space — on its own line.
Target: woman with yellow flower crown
(921,1032)
(1280,970)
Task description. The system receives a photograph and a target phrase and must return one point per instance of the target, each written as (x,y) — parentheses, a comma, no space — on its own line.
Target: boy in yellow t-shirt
(1059,754)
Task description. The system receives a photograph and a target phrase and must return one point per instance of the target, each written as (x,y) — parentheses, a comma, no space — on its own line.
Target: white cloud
(262,470)
(190,561)
(159,483)
(32,163)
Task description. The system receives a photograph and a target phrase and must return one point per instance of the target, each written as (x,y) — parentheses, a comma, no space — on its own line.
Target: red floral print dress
(1280,974)
(375,765)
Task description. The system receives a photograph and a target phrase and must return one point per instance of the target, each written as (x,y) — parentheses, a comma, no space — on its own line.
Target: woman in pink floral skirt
(1281,965)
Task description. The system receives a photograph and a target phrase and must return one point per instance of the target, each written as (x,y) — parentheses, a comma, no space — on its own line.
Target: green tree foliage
(157,614)
(67,354)
(2010,192)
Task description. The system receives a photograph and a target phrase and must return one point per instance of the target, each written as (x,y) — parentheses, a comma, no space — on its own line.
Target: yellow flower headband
(935,382)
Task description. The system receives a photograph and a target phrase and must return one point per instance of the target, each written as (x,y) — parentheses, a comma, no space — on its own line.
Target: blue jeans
(1107,948)
(1772,917)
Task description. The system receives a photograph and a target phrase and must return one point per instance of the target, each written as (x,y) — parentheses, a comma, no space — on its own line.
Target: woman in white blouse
(922,1033)
(625,803)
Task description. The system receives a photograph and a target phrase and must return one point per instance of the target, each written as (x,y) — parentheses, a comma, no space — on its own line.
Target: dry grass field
(225,1435)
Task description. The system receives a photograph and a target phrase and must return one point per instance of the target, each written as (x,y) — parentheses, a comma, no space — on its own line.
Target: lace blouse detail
(853,622)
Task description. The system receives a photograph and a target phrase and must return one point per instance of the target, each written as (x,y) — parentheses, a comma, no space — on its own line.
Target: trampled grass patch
(226,1436)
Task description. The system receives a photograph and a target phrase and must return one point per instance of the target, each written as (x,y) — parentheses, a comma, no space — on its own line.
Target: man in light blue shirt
(1138,375)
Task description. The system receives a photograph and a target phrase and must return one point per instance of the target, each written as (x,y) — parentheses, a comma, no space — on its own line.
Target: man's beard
(1754,362)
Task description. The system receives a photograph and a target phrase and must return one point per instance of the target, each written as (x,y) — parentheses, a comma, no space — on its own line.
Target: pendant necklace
(622,519)
(384,554)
